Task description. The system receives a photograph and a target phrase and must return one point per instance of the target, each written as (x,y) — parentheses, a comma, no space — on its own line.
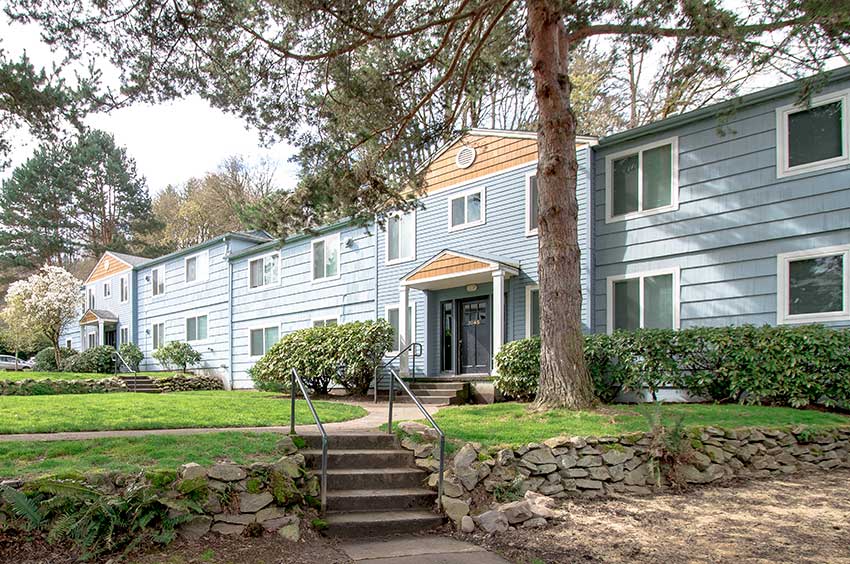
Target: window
(401,238)
(158,334)
(91,298)
(647,300)
(532,311)
(642,181)
(531,207)
(68,344)
(324,322)
(263,271)
(125,335)
(326,258)
(197,267)
(814,137)
(466,209)
(107,289)
(124,289)
(392,317)
(196,328)
(814,285)
(158,281)
(92,340)
(263,339)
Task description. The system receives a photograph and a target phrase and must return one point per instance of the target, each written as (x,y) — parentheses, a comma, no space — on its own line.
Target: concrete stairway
(136,383)
(431,392)
(374,488)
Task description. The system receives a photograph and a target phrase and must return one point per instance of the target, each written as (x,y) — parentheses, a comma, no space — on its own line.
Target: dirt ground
(800,519)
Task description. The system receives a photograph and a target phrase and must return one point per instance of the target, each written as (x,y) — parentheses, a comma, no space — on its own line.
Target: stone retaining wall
(30,387)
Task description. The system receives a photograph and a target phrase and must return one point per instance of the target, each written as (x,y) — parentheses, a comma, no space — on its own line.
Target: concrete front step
(381,499)
(380,523)
(352,441)
(422,392)
(374,478)
(443,399)
(454,386)
(361,458)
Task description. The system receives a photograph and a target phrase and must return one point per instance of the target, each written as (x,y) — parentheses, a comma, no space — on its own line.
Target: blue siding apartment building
(735,213)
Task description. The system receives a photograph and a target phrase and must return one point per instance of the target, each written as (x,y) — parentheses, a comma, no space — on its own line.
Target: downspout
(227,255)
(134,307)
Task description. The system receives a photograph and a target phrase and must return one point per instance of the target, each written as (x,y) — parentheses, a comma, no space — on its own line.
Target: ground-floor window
(92,340)
(324,322)
(196,328)
(814,285)
(68,344)
(262,339)
(392,316)
(158,331)
(645,300)
(532,311)
(125,335)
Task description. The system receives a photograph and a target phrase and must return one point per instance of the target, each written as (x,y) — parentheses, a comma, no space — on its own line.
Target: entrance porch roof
(95,315)
(451,269)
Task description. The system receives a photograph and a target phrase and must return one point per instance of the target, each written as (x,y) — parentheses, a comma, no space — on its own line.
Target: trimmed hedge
(785,365)
(345,354)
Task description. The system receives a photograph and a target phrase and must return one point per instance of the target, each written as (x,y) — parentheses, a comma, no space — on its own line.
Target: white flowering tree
(17,333)
(48,302)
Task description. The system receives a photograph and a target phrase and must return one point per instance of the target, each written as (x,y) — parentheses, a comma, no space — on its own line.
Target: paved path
(376,416)
(419,550)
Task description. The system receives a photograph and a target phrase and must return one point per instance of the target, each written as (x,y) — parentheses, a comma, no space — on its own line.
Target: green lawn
(100,412)
(22,459)
(514,424)
(13,376)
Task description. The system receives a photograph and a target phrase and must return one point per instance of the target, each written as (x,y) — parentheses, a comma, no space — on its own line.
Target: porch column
(99,332)
(498,314)
(403,337)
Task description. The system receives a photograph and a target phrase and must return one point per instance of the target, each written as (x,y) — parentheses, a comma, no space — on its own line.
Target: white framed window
(467,209)
(531,204)
(107,289)
(125,335)
(401,238)
(814,137)
(813,286)
(264,271)
(158,335)
(158,281)
(197,267)
(325,322)
(532,311)
(642,181)
(124,289)
(391,315)
(92,340)
(262,339)
(91,298)
(68,344)
(196,328)
(326,258)
(646,300)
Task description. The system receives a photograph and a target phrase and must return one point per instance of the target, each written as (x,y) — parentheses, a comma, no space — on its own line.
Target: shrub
(132,355)
(182,383)
(96,359)
(45,359)
(346,354)
(177,354)
(519,368)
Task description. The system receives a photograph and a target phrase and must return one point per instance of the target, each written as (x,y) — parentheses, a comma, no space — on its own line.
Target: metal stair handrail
(292,392)
(116,357)
(417,352)
(395,378)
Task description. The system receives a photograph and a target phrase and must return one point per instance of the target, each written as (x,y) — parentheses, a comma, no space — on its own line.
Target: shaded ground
(801,519)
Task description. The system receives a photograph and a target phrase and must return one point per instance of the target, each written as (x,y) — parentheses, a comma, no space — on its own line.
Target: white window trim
(161,270)
(324,319)
(609,298)
(674,180)
(186,330)
(334,239)
(782,280)
(528,289)
(262,327)
(126,280)
(121,335)
(91,298)
(263,258)
(528,231)
(107,289)
(411,305)
(164,324)
(400,259)
(91,336)
(782,113)
(464,194)
(203,256)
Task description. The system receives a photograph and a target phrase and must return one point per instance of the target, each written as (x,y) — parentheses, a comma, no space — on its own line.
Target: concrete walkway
(376,416)
(419,550)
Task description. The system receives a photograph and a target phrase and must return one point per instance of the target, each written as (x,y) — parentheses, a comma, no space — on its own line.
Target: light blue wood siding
(734,217)
(297,300)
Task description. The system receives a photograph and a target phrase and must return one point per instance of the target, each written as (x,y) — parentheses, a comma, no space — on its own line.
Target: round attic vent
(465,157)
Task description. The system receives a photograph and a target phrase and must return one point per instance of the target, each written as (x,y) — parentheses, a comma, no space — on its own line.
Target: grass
(26,459)
(514,424)
(102,412)
(12,376)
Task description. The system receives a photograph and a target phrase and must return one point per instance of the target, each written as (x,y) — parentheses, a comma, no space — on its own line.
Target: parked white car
(7,362)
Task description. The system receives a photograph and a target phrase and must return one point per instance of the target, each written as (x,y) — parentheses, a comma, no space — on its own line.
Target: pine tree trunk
(564,381)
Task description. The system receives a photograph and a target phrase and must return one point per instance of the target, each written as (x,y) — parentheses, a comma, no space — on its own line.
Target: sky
(171,142)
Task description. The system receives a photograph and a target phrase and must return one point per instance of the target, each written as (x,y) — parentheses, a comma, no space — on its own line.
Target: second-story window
(107,289)
(401,237)
(197,267)
(124,289)
(196,328)
(158,281)
(531,205)
(466,209)
(91,298)
(263,271)
(642,181)
(814,137)
(326,257)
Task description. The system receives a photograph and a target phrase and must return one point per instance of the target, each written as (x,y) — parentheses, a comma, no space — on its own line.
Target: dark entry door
(109,337)
(474,338)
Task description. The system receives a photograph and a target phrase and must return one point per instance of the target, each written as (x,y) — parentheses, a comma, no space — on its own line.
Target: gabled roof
(448,268)
(110,264)
(92,315)
(132,260)
(258,237)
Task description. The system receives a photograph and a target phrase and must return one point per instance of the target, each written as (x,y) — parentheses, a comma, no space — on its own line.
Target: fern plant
(23,507)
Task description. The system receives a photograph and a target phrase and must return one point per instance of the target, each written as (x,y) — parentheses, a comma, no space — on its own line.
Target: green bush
(96,359)
(519,368)
(51,386)
(45,359)
(346,354)
(132,355)
(177,354)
